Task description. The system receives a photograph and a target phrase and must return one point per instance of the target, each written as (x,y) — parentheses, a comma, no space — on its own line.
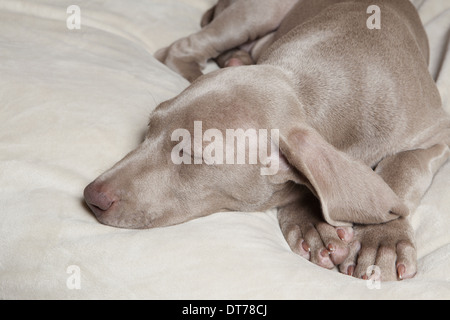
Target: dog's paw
(383,252)
(309,236)
(319,242)
(234,58)
(179,58)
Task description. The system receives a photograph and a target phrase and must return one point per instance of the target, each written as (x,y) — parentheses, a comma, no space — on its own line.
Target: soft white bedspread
(73,102)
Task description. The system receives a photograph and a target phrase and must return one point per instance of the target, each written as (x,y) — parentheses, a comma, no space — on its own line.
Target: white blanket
(73,102)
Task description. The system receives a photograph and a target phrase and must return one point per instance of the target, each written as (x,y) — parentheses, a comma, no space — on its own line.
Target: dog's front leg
(384,252)
(389,248)
(309,236)
(410,173)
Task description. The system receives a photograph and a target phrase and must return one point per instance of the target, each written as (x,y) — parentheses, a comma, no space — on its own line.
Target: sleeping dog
(359,131)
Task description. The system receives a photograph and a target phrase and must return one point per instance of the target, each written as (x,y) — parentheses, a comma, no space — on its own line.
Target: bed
(77,84)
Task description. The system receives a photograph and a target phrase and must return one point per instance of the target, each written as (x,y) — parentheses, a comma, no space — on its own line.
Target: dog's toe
(320,243)
(381,252)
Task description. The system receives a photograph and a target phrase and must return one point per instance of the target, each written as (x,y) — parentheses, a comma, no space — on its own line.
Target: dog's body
(362,130)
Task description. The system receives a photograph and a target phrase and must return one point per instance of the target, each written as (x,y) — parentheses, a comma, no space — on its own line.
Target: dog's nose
(99,198)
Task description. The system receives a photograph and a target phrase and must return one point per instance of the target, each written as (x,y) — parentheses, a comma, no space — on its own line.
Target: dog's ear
(349,191)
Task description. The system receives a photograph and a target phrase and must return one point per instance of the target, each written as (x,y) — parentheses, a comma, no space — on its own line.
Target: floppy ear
(349,191)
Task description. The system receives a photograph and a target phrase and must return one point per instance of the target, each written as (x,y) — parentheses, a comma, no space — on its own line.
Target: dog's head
(236,140)
(211,149)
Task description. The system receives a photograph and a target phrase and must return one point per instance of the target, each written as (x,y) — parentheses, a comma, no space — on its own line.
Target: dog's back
(363,89)
(309,9)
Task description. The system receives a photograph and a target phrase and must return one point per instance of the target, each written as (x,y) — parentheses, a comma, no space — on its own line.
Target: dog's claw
(401,270)
(350,270)
(341,234)
(306,247)
(325,253)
